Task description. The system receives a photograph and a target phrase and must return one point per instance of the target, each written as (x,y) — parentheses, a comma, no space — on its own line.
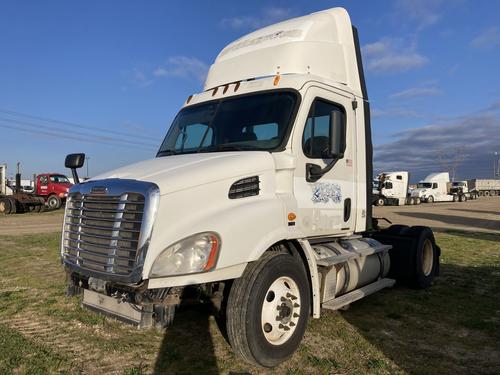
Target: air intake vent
(246,187)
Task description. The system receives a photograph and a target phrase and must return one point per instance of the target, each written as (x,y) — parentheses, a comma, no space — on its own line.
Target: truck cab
(393,189)
(53,187)
(260,194)
(434,188)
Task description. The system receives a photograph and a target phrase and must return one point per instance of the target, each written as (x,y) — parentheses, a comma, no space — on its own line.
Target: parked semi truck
(393,190)
(485,187)
(436,188)
(259,198)
(50,189)
(461,190)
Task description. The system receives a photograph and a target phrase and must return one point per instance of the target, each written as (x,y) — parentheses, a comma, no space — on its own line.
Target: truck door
(326,206)
(43,185)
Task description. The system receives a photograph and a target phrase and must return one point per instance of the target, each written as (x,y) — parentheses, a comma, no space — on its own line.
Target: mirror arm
(75,176)
(314,172)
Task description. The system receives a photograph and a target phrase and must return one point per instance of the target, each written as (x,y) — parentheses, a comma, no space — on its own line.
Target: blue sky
(106,78)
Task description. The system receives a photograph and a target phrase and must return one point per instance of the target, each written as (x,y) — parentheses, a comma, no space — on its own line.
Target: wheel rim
(2,206)
(52,203)
(427,258)
(280,310)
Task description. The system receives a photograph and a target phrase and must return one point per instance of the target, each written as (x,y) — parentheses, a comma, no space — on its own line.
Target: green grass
(453,327)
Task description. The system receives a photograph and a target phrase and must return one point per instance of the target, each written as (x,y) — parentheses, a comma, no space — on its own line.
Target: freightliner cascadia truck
(259,197)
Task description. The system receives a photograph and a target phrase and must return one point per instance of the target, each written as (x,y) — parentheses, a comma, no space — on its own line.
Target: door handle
(347,209)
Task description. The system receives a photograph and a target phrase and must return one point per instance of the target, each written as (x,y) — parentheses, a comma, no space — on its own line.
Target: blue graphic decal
(323,192)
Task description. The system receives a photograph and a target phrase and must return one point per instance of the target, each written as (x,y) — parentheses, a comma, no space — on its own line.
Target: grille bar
(102,233)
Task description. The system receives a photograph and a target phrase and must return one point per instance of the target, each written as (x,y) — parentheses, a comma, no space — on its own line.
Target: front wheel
(430,199)
(268,309)
(54,202)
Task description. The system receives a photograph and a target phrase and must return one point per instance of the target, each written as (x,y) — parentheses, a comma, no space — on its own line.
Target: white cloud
(489,38)
(424,13)
(413,92)
(267,17)
(475,135)
(393,112)
(183,67)
(392,55)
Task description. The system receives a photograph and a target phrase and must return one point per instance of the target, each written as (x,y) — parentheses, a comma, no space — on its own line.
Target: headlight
(196,253)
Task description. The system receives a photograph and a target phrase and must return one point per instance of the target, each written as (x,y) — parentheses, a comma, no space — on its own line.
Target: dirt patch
(22,224)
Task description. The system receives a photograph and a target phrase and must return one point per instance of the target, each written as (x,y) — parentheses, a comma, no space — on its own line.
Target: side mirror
(73,162)
(337,144)
(337,135)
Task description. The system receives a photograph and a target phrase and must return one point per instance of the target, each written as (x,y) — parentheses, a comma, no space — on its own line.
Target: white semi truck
(434,188)
(393,190)
(259,198)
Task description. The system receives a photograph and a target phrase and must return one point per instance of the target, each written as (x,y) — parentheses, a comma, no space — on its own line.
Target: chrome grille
(102,233)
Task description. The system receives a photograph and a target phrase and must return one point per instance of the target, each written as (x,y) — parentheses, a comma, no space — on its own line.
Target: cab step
(357,294)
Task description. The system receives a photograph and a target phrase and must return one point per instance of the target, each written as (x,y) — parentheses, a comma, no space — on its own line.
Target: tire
(461,198)
(425,254)
(430,199)
(481,193)
(13,205)
(54,202)
(417,200)
(455,198)
(5,206)
(380,202)
(464,199)
(486,193)
(396,229)
(264,292)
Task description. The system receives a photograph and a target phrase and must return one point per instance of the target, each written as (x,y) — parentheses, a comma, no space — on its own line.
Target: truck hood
(177,172)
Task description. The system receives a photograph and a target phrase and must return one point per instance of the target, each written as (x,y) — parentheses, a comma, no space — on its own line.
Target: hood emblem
(102,190)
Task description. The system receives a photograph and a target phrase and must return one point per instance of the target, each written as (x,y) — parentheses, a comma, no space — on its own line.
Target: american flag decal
(348,162)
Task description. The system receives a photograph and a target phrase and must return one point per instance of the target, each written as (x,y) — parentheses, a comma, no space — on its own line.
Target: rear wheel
(486,193)
(54,202)
(268,309)
(455,198)
(380,202)
(5,206)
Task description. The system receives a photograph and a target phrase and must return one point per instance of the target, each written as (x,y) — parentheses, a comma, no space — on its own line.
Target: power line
(53,128)
(61,134)
(50,120)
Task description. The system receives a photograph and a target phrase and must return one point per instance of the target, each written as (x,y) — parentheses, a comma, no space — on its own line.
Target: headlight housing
(194,254)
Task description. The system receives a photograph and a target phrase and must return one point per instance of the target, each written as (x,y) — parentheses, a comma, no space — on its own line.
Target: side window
(434,185)
(192,136)
(43,181)
(388,185)
(399,177)
(316,138)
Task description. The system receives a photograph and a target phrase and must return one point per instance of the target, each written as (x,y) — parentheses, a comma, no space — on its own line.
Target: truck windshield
(458,183)
(59,179)
(249,122)
(426,185)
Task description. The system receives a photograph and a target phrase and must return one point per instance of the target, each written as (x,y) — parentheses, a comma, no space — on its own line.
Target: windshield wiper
(166,153)
(226,148)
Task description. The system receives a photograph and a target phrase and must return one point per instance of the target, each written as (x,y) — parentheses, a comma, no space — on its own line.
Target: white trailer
(485,187)
(393,190)
(260,195)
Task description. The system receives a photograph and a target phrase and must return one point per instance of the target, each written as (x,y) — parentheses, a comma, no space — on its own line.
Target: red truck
(50,190)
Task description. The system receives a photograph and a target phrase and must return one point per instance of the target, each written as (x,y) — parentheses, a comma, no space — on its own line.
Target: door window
(43,181)
(316,138)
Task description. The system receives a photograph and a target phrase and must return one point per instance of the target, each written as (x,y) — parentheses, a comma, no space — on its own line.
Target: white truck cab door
(326,206)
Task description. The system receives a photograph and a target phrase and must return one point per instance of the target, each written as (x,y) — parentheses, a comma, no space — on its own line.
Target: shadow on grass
(451,328)
(187,346)
(495,237)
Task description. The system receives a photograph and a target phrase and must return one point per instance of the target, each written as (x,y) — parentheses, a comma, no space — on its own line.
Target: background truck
(485,187)
(393,190)
(50,189)
(435,188)
(259,199)
(461,190)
